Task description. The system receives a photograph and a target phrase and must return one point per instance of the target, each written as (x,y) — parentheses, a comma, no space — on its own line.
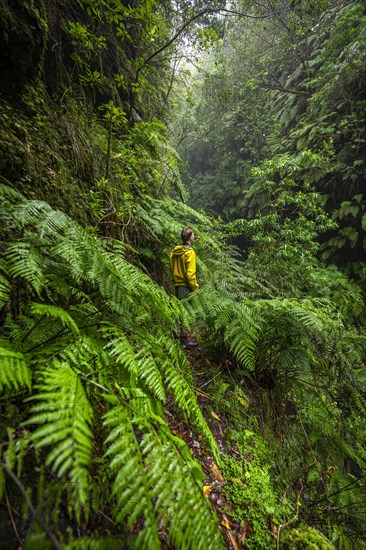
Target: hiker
(183,269)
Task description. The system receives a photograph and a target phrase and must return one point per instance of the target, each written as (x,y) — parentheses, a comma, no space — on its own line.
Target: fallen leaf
(216,472)
(225,523)
(232,540)
(206,490)
(215,415)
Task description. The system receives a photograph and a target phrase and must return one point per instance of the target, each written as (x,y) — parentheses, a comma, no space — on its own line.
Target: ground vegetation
(113,435)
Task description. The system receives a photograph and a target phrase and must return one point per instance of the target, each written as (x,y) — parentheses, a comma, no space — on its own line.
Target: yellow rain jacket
(183,266)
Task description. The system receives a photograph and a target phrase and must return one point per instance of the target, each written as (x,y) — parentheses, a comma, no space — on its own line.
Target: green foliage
(141,449)
(65,417)
(274,133)
(305,538)
(14,372)
(284,232)
(289,330)
(275,86)
(249,488)
(95,338)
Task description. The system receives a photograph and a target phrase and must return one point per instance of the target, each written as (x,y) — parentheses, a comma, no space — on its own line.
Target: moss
(47,153)
(53,130)
(304,538)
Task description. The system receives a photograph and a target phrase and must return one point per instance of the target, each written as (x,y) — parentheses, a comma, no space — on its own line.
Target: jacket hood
(180,249)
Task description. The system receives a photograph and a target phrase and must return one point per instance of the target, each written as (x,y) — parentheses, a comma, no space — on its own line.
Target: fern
(41,214)
(15,373)
(130,486)
(100,326)
(99,342)
(55,312)
(5,287)
(93,543)
(23,260)
(65,416)
(150,374)
(141,490)
(236,323)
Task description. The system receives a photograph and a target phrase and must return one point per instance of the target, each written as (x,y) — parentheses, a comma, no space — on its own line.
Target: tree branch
(173,39)
(196,16)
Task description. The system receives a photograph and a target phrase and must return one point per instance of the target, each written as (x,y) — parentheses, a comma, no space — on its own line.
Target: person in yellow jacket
(183,269)
(183,265)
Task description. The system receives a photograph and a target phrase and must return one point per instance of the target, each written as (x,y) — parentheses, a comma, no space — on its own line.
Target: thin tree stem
(37,518)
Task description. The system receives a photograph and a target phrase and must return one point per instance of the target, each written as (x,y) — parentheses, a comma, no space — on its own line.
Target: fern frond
(87,355)
(15,373)
(186,212)
(242,342)
(24,261)
(173,497)
(293,361)
(180,498)
(150,374)
(39,213)
(139,401)
(55,312)
(186,402)
(5,288)
(123,353)
(236,323)
(74,250)
(65,416)
(147,220)
(8,192)
(169,351)
(130,488)
(115,247)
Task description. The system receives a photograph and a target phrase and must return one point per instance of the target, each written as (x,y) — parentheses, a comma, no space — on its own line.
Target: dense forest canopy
(120,123)
(286,85)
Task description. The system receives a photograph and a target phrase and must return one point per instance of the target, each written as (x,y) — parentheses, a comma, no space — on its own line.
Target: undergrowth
(88,358)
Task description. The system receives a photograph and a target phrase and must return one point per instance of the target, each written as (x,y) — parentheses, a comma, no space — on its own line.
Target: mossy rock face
(23,35)
(46,153)
(304,538)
